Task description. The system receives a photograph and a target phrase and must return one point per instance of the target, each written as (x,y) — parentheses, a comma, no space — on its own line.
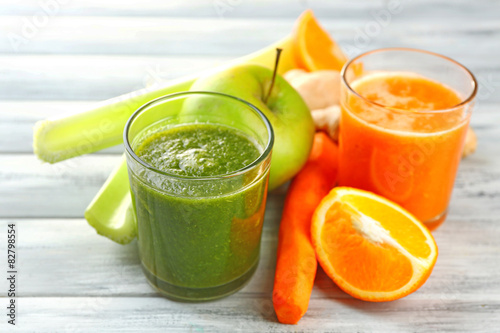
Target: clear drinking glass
(198,237)
(406,152)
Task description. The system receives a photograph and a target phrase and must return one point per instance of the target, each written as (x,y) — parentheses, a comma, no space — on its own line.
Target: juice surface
(198,150)
(186,239)
(395,149)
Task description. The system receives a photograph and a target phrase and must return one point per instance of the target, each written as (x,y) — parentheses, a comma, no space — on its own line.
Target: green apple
(289,115)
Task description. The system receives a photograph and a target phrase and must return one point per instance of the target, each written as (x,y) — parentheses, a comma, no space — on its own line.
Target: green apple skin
(286,110)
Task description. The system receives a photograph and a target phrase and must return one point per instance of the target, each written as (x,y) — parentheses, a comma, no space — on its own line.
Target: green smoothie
(193,237)
(198,150)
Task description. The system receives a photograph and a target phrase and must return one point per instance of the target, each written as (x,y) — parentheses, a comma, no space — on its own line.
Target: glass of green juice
(198,165)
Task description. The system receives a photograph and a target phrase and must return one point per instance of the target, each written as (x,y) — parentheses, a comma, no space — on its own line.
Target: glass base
(186,294)
(435,222)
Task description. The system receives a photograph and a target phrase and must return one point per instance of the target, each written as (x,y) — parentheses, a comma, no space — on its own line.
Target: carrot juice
(401,136)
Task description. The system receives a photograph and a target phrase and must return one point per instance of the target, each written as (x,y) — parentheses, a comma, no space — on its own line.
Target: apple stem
(278,54)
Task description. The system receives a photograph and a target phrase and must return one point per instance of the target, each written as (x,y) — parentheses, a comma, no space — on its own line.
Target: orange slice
(314,48)
(370,247)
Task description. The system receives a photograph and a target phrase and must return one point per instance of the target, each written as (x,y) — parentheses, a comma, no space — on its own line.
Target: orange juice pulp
(401,149)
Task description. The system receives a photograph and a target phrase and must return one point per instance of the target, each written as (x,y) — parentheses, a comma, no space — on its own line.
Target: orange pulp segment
(370,247)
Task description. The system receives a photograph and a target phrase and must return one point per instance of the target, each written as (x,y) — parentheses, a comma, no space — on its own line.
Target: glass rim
(464,101)
(265,153)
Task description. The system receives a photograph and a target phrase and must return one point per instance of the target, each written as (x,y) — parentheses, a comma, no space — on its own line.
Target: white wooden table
(71,279)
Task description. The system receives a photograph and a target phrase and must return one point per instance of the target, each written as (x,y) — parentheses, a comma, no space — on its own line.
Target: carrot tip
(287,313)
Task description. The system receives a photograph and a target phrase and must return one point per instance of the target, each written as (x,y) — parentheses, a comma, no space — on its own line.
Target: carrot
(296,260)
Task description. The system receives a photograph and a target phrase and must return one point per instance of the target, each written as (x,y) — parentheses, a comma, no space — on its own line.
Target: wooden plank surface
(97,77)
(84,282)
(72,280)
(337,9)
(112,270)
(92,77)
(256,315)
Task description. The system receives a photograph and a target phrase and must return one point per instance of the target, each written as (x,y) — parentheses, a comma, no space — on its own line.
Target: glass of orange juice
(405,114)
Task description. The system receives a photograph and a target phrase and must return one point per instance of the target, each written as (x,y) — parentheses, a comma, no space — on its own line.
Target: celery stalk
(111,212)
(61,138)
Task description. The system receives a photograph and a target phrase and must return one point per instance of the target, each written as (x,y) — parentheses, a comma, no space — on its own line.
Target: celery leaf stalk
(111,212)
(57,139)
